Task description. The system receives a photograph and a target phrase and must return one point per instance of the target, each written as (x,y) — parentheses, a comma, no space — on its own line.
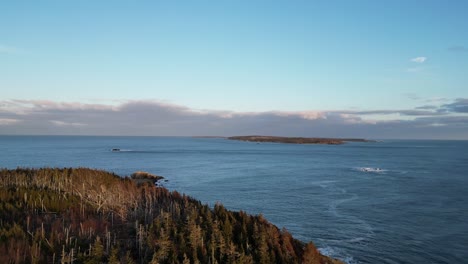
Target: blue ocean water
(383,202)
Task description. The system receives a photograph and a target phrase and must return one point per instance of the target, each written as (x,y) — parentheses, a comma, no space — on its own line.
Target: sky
(376,69)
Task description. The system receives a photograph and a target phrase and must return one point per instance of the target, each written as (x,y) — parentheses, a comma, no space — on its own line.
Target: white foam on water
(334,204)
(368,230)
(371,169)
(337,253)
(328,251)
(121,150)
(323,184)
(357,239)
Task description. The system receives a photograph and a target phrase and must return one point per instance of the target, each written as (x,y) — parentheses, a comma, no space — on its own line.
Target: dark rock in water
(141,177)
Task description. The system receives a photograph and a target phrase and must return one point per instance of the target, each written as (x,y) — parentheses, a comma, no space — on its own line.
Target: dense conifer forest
(79,215)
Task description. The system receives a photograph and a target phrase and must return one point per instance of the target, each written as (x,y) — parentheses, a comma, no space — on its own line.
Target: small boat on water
(115,150)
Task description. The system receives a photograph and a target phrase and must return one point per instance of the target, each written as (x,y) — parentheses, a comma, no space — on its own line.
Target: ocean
(394,201)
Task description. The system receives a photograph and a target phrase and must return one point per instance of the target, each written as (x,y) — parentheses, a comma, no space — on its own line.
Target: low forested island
(79,215)
(298,140)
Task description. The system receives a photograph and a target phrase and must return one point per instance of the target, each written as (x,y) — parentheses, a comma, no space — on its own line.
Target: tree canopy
(80,215)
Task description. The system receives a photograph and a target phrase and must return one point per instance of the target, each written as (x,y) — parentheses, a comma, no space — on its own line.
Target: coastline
(110,218)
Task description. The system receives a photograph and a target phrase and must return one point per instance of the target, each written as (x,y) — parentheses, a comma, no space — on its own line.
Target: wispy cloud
(8,121)
(62,123)
(438,100)
(458,48)
(427,107)
(403,112)
(159,118)
(412,96)
(459,106)
(419,59)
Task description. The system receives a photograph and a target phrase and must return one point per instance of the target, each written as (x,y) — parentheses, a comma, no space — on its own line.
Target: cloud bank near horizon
(155,118)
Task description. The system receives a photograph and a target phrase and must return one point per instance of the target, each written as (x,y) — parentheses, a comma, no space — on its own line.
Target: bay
(402,201)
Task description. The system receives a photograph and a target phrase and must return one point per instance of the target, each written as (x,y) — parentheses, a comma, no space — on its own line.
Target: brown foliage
(81,215)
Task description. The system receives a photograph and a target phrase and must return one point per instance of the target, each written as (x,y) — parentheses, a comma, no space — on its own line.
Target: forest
(80,215)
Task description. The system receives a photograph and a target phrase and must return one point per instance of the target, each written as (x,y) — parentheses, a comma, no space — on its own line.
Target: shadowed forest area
(79,215)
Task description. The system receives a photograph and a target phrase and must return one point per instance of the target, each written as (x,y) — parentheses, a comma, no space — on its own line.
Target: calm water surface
(384,202)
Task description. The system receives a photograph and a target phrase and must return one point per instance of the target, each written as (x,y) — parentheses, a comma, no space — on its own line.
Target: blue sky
(237,56)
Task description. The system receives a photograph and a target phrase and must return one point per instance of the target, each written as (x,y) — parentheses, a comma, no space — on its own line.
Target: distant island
(298,140)
(80,215)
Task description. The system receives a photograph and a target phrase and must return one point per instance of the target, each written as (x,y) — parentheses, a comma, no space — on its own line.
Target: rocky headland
(80,215)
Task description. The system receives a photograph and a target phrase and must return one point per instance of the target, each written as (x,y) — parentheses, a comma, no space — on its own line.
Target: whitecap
(323,184)
(121,150)
(337,253)
(371,169)
(356,239)
(334,204)
(328,251)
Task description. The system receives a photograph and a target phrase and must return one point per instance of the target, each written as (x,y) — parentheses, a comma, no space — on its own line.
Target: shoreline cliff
(80,215)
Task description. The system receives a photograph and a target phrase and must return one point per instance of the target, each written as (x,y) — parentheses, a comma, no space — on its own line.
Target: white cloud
(62,123)
(419,59)
(308,115)
(8,121)
(354,119)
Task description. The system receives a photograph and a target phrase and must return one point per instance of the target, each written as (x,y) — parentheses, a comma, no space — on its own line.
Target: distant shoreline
(298,140)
